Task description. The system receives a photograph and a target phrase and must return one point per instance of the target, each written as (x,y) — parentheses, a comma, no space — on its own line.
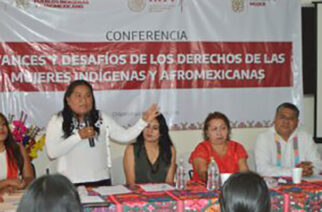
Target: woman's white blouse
(3,165)
(76,159)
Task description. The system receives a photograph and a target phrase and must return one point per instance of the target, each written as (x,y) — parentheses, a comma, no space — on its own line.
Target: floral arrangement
(31,137)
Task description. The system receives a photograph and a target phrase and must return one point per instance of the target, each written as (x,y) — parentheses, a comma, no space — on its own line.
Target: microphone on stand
(88,124)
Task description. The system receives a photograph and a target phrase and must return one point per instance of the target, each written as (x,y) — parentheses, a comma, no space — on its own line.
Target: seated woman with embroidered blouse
(15,168)
(229,155)
(151,159)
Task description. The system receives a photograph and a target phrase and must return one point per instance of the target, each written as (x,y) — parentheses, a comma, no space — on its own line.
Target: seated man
(284,146)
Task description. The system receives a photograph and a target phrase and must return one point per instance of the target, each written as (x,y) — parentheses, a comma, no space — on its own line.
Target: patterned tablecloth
(286,197)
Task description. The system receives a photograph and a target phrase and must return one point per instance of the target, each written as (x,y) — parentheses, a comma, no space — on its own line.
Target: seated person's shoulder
(58,117)
(235,143)
(202,146)
(301,132)
(173,149)
(237,147)
(265,134)
(129,147)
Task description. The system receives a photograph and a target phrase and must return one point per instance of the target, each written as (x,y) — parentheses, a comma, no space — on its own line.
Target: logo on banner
(22,3)
(154,5)
(61,4)
(238,5)
(261,3)
(136,5)
(160,6)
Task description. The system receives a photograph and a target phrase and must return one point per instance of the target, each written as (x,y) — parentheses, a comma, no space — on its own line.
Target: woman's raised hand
(151,113)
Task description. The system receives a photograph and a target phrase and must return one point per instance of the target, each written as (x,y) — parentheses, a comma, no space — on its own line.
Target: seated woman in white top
(15,168)
(78,136)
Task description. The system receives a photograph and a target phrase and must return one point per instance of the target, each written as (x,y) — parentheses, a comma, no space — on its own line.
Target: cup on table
(224,177)
(297,175)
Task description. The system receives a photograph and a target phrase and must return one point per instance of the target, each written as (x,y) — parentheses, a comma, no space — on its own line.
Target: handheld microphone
(88,124)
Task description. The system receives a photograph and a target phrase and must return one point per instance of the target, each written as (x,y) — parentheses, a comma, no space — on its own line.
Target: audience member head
(245,191)
(50,193)
(157,131)
(286,119)
(216,121)
(79,102)
(10,144)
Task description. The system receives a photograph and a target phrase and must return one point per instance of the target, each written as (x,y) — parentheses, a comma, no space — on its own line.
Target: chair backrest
(190,172)
(34,170)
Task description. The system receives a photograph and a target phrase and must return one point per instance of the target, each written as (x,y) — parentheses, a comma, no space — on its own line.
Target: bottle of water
(180,183)
(212,176)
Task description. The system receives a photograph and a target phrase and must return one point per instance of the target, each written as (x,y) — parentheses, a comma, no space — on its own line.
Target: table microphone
(88,124)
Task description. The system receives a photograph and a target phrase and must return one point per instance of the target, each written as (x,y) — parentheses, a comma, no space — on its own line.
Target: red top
(12,168)
(227,163)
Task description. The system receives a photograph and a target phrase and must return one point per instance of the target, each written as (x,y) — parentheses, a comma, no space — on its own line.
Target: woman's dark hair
(50,193)
(216,115)
(165,142)
(12,147)
(68,114)
(245,191)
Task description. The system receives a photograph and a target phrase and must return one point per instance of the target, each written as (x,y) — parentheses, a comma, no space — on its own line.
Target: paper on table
(8,207)
(85,199)
(13,197)
(109,190)
(156,187)
(11,201)
(313,178)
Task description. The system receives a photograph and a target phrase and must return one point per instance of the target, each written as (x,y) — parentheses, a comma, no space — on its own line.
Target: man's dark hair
(289,106)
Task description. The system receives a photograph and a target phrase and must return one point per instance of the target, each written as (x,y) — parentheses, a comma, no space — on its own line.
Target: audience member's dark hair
(51,193)
(246,192)
(289,106)
(12,147)
(215,115)
(68,114)
(165,142)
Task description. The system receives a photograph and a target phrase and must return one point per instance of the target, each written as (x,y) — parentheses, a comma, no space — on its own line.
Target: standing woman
(151,159)
(229,155)
(78,136)
(15,168)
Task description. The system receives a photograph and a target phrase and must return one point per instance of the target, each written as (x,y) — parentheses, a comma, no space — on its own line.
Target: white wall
(308,2)
(185,142)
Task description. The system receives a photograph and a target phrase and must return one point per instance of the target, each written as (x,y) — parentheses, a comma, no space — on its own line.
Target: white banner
(192,57)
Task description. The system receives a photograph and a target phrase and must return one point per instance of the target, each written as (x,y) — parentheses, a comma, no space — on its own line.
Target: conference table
(285,197)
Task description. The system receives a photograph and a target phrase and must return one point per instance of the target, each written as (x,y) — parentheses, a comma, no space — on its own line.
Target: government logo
(238,5)
(136,5)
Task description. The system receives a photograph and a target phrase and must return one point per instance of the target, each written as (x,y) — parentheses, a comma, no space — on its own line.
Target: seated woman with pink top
(230,156)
